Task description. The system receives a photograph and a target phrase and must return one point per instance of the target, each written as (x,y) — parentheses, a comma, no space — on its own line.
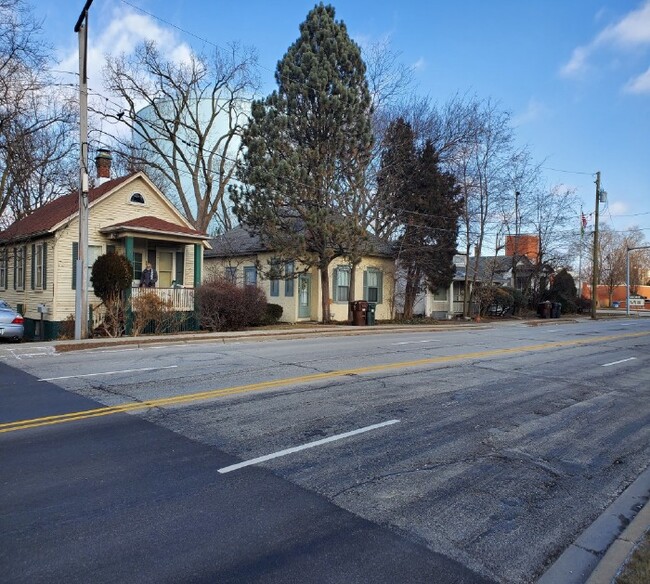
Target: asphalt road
(471,456)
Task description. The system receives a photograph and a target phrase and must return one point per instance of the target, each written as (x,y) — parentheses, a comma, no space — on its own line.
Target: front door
(304,296)
(165,268)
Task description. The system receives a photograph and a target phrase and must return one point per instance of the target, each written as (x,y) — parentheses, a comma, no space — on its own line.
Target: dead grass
(637,570)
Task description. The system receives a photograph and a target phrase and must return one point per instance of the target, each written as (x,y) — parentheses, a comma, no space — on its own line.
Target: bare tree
(35,143)
(185,121)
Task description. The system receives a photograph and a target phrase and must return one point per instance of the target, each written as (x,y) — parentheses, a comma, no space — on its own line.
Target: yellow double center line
(217,393)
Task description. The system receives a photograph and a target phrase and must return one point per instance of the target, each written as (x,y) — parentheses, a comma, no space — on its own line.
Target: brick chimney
(103,162)
(522,245)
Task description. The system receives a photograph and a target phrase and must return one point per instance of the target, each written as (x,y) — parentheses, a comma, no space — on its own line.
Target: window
(94,251)
(373,285)
(39,266)
(4,265)
(137,266)
(289,269)
(250,276)
(341,284)
(20,259)
(275,278)
(230,274)
(137,198)
(440,294)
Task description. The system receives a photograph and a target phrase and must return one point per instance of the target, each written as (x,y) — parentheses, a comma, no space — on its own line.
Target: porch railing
(181,299)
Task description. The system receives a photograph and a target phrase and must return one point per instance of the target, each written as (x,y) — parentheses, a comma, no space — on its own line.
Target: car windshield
(3,304)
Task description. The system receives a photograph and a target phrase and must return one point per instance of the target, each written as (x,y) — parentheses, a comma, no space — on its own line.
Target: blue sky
(575,75)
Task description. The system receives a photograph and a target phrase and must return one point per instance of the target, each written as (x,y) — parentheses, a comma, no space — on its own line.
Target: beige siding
(30,299)
(216,267)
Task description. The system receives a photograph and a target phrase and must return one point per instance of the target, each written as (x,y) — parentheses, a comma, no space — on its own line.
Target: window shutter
(44,259)
(33,266)
(365,284)
(180,267)
(75,256)
(23,281)
(380,287)
(335,281)
(15,266)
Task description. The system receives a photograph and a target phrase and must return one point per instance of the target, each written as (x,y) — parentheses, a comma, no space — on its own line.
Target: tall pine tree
(307,149)
(426,203)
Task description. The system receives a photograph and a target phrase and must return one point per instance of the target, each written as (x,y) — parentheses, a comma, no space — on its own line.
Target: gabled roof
(239,242)
(150,224)
(494,268)
(46,218)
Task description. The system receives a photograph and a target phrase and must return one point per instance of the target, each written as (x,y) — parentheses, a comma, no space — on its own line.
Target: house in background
(516,269)
(241,258)
(127,215)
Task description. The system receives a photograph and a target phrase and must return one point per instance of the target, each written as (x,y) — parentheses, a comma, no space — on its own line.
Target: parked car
(11,323)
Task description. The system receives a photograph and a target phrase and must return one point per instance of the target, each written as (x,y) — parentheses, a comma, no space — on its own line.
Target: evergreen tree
(307,149)
(427,204)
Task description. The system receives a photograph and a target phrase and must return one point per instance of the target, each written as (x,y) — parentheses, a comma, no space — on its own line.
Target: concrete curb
(582,560)
(242,336)
(622,549)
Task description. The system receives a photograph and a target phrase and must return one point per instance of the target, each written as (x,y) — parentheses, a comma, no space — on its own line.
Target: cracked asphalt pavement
(498,463)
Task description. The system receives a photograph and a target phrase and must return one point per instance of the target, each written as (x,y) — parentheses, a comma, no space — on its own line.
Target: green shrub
(273,314)
(111,275)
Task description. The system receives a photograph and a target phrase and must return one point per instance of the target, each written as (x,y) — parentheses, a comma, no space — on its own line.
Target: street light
(627,276)
(81,293)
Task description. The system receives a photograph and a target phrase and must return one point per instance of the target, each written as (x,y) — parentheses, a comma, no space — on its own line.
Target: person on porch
(149,277)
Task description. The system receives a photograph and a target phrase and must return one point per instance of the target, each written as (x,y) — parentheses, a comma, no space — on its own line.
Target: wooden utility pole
(81,292)
(594,269)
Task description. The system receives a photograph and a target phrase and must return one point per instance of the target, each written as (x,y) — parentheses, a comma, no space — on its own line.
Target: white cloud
(120,32)
(577,63)
(535,110)
(419,65)
(640,84)
(631,31)
(618,208)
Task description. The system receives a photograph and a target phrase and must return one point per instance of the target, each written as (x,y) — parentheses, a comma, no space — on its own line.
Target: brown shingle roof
(46,217)
(149,223)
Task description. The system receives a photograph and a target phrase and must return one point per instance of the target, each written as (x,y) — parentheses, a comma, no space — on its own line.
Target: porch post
(129,253)
(198,263)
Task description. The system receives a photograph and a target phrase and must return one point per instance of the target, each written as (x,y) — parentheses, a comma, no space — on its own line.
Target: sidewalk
(252,335)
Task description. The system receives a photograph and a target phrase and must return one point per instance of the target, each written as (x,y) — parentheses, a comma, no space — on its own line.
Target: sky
(574,75)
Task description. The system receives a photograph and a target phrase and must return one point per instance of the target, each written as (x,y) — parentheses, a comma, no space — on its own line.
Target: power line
(568,171)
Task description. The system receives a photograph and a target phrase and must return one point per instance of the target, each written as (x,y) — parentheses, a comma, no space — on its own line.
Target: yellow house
(243,258)
(127,215)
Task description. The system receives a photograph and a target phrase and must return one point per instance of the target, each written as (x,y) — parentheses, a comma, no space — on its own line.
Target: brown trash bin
(359,311)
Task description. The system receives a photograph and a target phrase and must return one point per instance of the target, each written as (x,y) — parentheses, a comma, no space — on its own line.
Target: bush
(152,314)
(583,304)
(272,314)
(563,290)
(518,300)
(111,274)
(66,328)
(223,306)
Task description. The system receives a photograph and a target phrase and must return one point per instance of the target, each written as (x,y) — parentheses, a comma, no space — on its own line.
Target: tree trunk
(325,294)
(410,293)
(466,283)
